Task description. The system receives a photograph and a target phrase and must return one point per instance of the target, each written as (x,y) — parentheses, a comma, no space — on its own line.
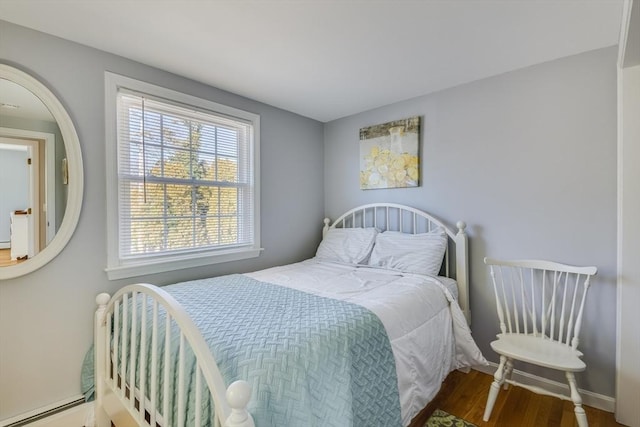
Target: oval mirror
(41,175)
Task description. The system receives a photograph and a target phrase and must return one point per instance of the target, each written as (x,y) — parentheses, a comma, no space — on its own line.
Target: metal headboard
(395,217)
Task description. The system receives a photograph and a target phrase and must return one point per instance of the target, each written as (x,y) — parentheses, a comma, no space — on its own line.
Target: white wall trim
(627,410)
(80,415)
(589,398)
(42,410)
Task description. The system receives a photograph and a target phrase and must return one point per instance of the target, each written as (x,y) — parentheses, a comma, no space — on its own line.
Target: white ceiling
(327,59)
(16,101)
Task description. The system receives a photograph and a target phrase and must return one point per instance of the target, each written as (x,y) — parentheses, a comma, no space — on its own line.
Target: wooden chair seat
(539,351)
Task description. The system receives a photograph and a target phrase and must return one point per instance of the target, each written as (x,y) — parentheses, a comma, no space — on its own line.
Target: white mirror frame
(75,170)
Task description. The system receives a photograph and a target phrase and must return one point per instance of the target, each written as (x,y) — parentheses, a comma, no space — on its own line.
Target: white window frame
(118,268)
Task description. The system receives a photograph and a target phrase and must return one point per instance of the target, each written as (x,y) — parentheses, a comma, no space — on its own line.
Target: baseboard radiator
(39,414)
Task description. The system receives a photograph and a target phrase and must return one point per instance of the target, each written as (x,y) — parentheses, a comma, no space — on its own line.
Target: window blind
(185,178)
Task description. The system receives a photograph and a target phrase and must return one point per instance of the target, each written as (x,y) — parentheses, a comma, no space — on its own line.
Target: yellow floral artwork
(389,154)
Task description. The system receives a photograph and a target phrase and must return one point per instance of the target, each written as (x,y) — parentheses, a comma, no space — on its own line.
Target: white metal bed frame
(118,402)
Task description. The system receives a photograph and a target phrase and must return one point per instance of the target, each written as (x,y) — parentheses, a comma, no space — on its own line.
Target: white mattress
(429,336)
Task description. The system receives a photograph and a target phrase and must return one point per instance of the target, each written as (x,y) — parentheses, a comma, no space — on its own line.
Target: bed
(363,334)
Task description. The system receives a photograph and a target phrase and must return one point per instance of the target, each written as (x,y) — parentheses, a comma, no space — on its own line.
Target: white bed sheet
(428,333)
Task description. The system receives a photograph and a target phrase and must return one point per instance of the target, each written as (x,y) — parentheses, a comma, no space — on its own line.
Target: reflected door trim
(75,171)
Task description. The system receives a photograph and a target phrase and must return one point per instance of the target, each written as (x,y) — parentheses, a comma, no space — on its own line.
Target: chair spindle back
(542,298)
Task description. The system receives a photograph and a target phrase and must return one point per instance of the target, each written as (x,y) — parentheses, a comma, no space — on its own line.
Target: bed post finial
(102,300)
(238,395)
(461,227)
(326,226)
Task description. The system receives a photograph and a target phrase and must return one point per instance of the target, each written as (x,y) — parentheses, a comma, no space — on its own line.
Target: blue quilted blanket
(311,360)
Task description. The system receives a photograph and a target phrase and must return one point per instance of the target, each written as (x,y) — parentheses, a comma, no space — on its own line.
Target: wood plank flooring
(5,258)
(465,396)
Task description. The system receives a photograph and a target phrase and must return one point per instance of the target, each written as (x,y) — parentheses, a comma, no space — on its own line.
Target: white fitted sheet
(428,332)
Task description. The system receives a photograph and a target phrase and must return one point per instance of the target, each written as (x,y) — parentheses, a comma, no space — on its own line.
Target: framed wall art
(389,156)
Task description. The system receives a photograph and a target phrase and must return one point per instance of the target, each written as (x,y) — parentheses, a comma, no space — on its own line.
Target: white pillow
(410,253)
(350,245)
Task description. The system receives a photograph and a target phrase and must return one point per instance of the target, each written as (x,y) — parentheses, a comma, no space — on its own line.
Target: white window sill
(124,271)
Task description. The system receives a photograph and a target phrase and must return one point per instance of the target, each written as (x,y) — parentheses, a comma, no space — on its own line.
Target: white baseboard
(589,398)
(78,416)
(36,414)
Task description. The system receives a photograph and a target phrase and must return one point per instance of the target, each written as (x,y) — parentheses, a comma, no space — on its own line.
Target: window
(181,180)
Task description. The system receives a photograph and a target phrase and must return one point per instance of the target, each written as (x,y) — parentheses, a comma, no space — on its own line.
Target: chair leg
(581,416)
(494,389)
(508,370)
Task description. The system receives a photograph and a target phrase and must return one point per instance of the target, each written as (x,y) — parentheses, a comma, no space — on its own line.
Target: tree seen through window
(186,188)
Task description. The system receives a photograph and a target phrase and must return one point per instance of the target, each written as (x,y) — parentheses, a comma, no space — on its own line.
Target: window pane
(179,201)
(152,127)
(227,142)
(146,200)
(152,160)
(227,169)
(209,233)
(147,236)
(228,230)
(204,166)
(175,132)
(208,134)
(228,201)
(179,233)
(175,164)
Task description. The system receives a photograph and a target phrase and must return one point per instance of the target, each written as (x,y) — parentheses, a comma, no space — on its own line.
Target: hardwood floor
(5,258)
(465,395)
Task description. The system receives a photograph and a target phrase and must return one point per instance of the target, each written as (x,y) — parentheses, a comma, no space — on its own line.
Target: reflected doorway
(27,164)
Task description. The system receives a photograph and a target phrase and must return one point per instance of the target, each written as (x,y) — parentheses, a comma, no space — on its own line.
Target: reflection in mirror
(31,155)
(41,177)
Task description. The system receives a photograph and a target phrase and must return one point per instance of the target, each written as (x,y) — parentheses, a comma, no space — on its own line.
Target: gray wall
(46,317)
(528,160)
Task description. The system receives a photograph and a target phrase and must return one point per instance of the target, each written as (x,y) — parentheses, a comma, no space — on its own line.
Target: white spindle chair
(540,306)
